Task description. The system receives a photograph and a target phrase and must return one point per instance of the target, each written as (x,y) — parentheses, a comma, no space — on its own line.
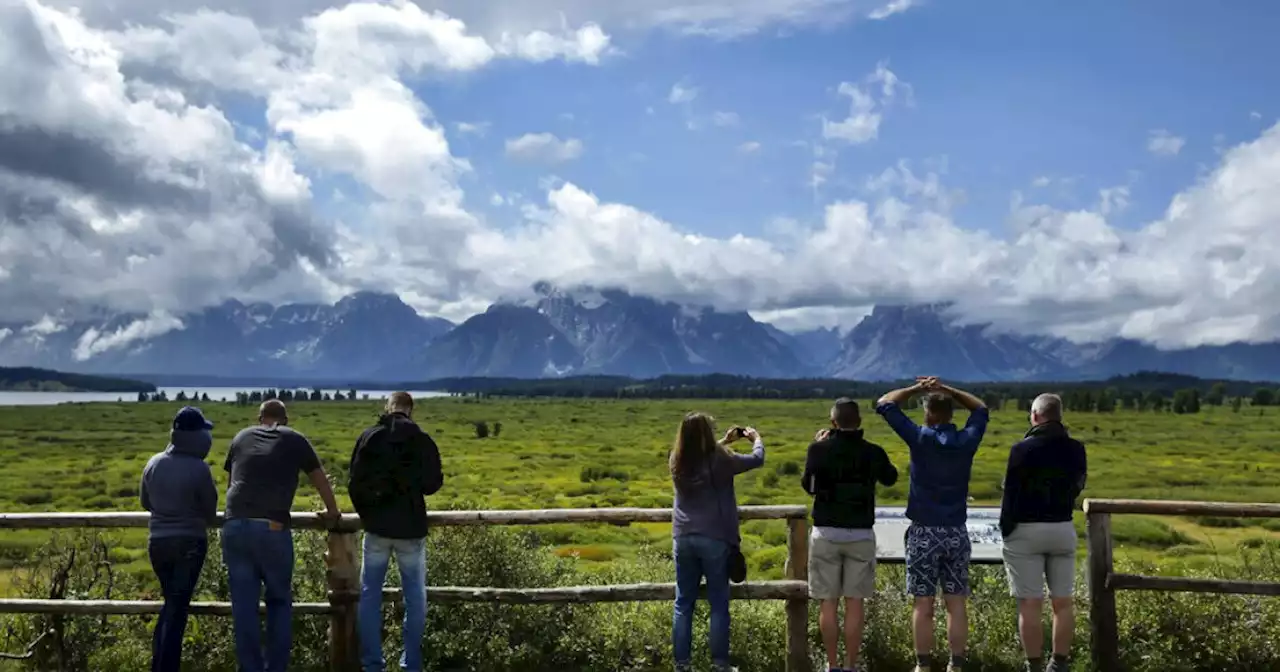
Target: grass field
(562,453)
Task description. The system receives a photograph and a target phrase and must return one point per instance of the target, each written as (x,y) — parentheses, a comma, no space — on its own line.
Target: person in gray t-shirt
(257,546)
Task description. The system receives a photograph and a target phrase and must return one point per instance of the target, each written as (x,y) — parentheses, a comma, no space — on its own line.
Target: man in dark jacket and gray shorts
(1046,474)
(841,472)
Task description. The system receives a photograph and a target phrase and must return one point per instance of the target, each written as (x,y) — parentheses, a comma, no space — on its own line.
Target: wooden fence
(1104,582)
(343,572)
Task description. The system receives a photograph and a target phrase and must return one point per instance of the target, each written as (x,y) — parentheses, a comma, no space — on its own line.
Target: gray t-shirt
(264,462)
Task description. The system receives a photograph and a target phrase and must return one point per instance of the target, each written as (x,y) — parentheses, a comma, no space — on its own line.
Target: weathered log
(1178,584)
(1155,507)
(797,569)
(1103,623)
(351,522)
(641,592)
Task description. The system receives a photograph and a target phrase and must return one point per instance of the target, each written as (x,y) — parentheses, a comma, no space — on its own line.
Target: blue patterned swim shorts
(937,557)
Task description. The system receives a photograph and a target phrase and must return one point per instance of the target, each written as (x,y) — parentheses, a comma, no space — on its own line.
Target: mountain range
(373,336)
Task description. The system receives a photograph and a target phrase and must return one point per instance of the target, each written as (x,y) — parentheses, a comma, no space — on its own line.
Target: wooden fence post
(343,576)
(1103,623)
(798,609)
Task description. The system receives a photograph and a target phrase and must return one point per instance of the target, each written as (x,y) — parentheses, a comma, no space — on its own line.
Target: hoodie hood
(399,426)
(194,443)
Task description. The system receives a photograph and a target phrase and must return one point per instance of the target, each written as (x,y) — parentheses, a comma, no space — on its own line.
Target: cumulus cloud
(1163,143)
(749,147)
(868,102)
(126,187)
(543,147)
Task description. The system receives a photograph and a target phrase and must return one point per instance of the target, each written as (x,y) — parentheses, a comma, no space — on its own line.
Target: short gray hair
(1048,406)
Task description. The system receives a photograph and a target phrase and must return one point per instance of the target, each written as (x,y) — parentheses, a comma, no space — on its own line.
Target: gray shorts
(842,569)
(1037,552)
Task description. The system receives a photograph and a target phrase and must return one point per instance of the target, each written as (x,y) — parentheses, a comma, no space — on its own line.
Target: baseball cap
(190,418)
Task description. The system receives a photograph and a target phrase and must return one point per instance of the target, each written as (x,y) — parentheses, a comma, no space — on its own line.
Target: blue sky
(1068,91)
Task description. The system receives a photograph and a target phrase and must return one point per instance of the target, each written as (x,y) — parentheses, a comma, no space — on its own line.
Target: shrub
(482,429)
(590,474)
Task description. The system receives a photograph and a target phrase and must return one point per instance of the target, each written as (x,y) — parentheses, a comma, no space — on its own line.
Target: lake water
(215,394)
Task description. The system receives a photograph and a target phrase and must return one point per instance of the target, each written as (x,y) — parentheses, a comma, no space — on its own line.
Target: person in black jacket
(394,465)
(841,472)
(1046,474)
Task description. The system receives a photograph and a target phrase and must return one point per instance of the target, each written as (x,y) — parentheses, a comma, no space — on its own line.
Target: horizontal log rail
(1104,581)
(351,522)
(640,592)
(343,576)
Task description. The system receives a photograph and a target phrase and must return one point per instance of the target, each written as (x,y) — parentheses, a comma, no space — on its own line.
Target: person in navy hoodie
(178,490)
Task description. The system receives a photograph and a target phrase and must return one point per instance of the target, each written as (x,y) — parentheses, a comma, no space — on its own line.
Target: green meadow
(544,453)
(605,453)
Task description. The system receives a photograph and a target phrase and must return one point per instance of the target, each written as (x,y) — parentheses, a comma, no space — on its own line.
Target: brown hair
(938,406)
(695,444)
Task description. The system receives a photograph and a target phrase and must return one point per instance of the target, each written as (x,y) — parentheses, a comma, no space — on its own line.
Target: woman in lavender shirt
(705,528)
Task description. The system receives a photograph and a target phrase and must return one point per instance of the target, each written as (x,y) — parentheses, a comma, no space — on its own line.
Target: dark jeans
(698,556)
(177,562)
(259,555)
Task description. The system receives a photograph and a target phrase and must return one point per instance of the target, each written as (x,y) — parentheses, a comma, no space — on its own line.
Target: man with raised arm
(394,466)
(937,541)
(1046,474)
(841,472)
(257,546)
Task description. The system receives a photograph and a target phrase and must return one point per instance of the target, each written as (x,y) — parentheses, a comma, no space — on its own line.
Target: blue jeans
(259,554)
(411,559)
(177,562)
(696,557)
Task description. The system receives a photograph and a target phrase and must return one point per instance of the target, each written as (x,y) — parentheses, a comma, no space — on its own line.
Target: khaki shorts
(1037,552)
(842,569)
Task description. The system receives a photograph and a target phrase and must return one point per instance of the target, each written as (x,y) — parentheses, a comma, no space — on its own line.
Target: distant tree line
(1145,391)
(245,398)
(30,378)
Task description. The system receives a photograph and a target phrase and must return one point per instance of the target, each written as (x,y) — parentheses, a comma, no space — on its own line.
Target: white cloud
(92,342)
(1162,143)
(1255,115)
(480,128)
(681,94)
(1041,182)
(725,119)
(796,320)
(749,147)
(1113,200)
(543,147)
(45,326)
(891,8)
(5,333)
(586,44)
(718,19)
(867,108)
